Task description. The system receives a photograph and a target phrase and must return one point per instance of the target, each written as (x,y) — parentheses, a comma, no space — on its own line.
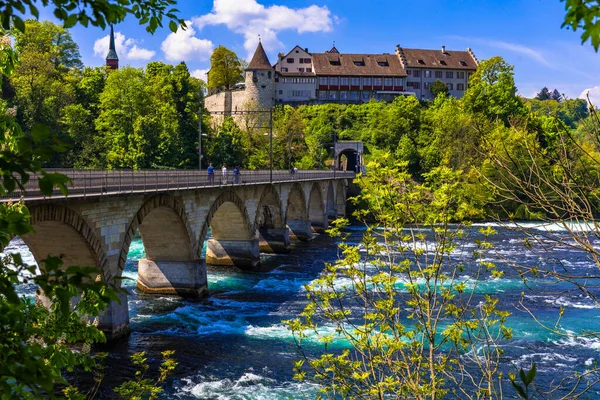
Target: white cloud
(127,48)
(593,94)
(200,74)
(249,18)
(184,46)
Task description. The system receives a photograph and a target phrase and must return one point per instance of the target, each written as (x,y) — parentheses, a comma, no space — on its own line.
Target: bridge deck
(98,183)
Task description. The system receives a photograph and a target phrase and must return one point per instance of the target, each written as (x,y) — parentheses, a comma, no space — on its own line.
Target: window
(290,60)
(333,95)
(308,69)
(307,61)
(269,74)
(355,81)
(438,74)
(284,69)
(409,72)
(464,64)
(323,81)
(281,92)
(414,85)
(416,73)
(421,62)
(443,62)
(460,86)
(383,63)
(450,86)
(344,81)
(322,94)
(343,95)
(301,69)
(449,74)
(426,85)
(387,82)
(427,74)
(460,75)
(335,62)
(333,80)
(300,93)
(359,63)
(397,81)
(366,96)
(367,81)
(354,95)
(376,81)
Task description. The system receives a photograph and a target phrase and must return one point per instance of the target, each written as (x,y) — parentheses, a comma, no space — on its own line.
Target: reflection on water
(233,344)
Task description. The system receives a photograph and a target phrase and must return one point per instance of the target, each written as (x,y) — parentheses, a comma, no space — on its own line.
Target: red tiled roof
(260,59)
(357,64)
(436,58)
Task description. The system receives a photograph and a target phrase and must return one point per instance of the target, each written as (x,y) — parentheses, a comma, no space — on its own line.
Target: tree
(492,91)
(225,69)
(584,15)
(226,147)
(413,328)
(544,94)
(94,12)
(556,96)
(438,87)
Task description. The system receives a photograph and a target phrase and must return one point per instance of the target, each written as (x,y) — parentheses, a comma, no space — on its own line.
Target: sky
(526,33)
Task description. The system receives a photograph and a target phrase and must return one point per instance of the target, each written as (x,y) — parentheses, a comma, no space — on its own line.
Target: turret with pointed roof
(259,60)
(260,79)
(112,60)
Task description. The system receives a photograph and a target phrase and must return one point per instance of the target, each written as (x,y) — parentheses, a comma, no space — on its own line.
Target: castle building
(112,60)
(301,77)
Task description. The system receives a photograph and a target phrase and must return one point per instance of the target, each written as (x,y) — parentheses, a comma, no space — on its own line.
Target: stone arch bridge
(175,212)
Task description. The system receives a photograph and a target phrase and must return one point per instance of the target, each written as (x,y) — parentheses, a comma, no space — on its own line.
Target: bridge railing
(94,183)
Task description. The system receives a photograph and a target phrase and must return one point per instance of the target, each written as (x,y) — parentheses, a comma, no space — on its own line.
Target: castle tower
(260,79)
(112,60)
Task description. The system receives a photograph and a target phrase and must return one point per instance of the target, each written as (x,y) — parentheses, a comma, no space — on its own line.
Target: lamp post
(200,140)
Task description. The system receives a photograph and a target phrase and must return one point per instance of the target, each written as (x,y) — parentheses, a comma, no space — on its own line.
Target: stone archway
(269,223)
(316,209)
(234,241)
(172,264)
(296,216)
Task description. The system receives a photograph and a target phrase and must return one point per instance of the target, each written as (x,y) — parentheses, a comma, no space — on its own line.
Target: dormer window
(443,62)
(383,63)
(335,62)
(464,64)
(359,63)
(421,62)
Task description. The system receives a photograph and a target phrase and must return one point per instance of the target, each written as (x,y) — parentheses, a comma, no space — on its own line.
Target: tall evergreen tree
(543,94)
(556,96)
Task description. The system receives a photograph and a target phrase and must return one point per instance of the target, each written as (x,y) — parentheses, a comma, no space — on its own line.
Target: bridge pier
(320,225)
(183,278)
(114,320)
(274,240)
(300,229)
(243,254)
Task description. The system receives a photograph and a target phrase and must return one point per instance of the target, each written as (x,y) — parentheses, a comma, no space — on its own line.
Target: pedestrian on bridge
(211,174)
(236,175)
(224,171)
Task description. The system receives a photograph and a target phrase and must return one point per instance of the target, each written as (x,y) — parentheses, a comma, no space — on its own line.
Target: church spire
(112,60)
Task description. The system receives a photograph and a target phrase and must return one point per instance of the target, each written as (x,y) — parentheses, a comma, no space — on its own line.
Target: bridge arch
(274,237)
(165,231)
(316,208)
(62,232)
(234,241)
(296,214)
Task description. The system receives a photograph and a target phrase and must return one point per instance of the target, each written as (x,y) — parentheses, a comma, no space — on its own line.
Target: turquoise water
(233,344)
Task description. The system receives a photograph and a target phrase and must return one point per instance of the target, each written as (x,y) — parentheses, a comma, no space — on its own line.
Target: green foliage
(226,147)
(142,387)
(225,69)
(527,379)
(93,12)
(413,328)
(438,87)
(584,15)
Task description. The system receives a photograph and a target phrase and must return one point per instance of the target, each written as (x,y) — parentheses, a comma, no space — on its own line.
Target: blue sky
(526,33)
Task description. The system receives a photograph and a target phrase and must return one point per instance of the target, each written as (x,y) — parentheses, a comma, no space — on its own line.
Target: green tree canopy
(584,15)
(438,87)
(226,69)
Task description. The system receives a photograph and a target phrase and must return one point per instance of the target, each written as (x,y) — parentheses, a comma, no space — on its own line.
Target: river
(233,344)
